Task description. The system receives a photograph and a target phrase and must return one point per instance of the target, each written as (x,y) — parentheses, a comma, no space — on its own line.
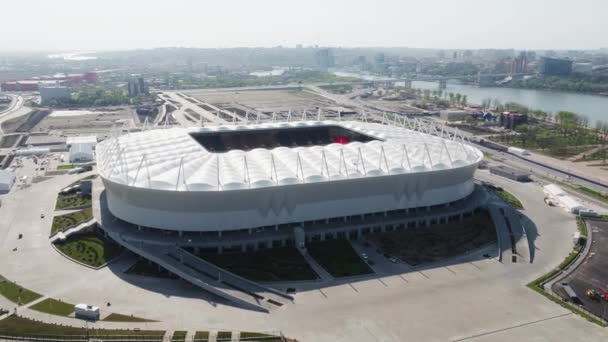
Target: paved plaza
(470,298)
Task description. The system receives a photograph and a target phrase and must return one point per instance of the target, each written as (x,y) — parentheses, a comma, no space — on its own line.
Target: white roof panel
(172,159)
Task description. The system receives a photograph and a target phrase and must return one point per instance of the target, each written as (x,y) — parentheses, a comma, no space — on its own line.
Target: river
(595,107)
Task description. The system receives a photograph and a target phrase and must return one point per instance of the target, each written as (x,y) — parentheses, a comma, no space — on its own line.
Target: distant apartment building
(48,94)
(583,68)
(519,65)
(555,66)
(510,120)
(325,58)
(136,87)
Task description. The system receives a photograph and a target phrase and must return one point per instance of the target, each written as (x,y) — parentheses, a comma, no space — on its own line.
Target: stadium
(229,178)
(170,194)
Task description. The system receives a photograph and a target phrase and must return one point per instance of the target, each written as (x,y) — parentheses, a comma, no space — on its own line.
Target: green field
(275,264)
(54,307)
(65,166)
(89,248)
(72,201)
(253,336)
(114,317)
(224,335)
(91,177)
(510,199)
(9,140)
(15,325)
(67,221)
(179,336)
(16,293)
(201,336)
(596,194)
(428,244)
(338,258)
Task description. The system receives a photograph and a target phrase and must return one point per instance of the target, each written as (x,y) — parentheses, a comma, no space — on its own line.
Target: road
(15,109)
(184,118)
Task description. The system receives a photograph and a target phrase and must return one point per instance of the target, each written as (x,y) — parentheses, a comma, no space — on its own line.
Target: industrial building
(35,84)
(511,120)
(510,173)
(81,148)
(454,114)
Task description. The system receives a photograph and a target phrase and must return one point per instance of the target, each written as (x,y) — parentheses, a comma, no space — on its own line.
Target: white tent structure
(7,179)
(82,148)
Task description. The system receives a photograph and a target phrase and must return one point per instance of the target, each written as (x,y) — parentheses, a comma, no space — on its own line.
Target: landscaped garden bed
(338,258)
(275,264)
(90,248)
(67,221)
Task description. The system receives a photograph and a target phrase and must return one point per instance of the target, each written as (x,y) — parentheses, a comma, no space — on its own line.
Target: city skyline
(108,25)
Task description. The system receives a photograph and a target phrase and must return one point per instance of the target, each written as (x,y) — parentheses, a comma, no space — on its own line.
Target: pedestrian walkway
(321,272)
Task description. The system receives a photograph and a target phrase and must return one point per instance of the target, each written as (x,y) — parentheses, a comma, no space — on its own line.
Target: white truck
(517,150)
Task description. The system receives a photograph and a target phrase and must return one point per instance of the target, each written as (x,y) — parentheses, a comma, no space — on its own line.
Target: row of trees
(436,95)
(577,83)
(233,80)
(97,96)
(563,134)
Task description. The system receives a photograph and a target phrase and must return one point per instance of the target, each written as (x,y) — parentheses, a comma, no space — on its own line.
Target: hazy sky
(119,24)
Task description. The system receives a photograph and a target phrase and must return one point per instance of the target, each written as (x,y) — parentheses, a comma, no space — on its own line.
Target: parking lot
(592,273)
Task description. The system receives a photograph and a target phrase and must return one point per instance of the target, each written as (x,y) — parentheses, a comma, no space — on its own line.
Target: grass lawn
(54,307)
(83,179)
(65,166)
(224,335)
(67,221)
(599,155)
(595,194)
(254,336)
(510,199)
(9,140)
(71,201)
(145,269)
(89,248)
(15,325)
(428,244)
(114,317)
(338,258)
(201,336)
(179,336)
(276,264)
(16,293)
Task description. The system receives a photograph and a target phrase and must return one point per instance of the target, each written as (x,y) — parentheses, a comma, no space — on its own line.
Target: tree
(464,100)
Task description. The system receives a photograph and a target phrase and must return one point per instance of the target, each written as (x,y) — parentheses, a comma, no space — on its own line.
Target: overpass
(479,78)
